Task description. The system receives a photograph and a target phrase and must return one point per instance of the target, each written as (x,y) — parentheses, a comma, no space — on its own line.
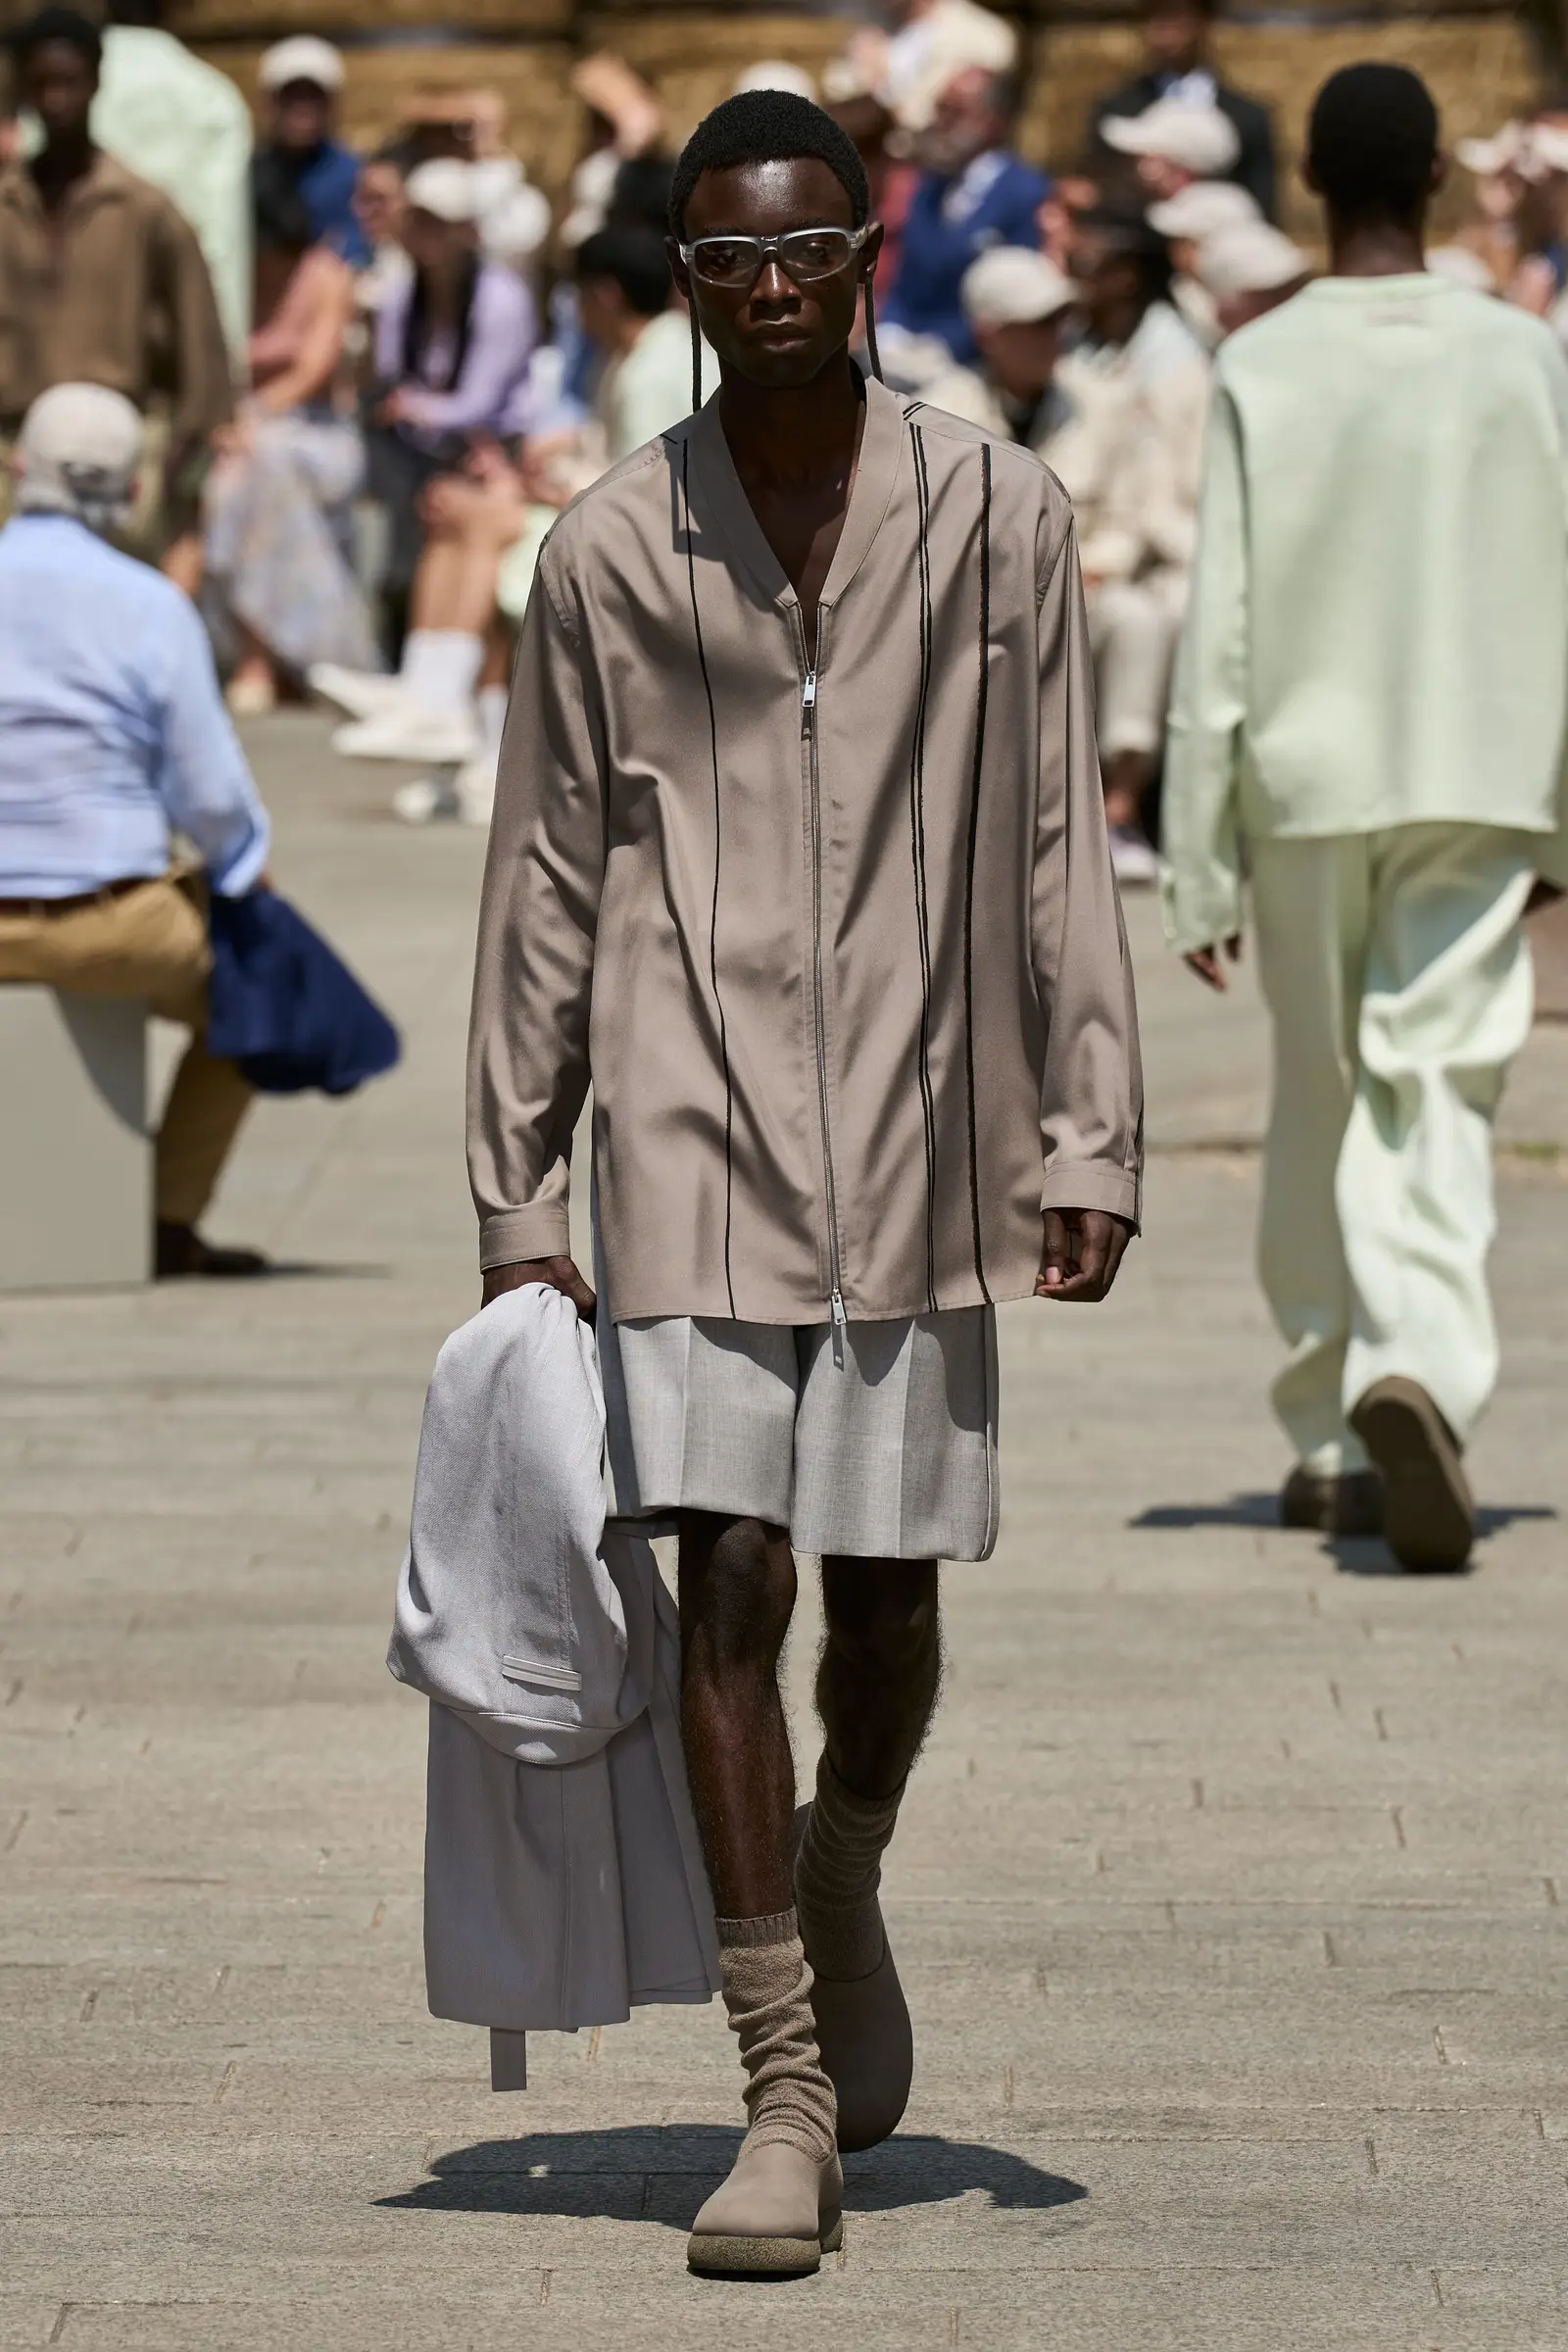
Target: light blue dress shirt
(113,730)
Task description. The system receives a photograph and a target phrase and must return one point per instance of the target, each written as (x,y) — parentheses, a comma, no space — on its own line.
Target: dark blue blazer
(936,252)
(283,1006)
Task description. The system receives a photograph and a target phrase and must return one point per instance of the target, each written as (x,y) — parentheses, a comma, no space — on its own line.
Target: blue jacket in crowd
(950,222)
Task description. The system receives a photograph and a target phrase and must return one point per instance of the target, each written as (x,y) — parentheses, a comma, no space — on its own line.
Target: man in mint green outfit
(1369,720)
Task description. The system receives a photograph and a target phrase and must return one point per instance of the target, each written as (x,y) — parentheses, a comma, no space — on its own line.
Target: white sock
(492,718)
(440,668)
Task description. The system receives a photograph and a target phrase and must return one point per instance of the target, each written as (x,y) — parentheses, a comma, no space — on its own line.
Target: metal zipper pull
(839,1315)
(808,698)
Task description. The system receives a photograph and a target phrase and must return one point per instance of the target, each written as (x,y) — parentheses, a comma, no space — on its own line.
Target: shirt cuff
(514,1235)
(1092,1184)
(240,873)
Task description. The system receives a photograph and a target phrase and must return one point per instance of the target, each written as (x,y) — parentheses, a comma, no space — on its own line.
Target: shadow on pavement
(1242,1510)
(662,2176)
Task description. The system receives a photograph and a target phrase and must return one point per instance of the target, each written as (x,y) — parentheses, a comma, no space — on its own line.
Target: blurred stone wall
(1479,61)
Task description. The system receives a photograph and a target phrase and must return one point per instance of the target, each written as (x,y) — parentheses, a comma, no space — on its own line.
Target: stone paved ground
(1231,1896)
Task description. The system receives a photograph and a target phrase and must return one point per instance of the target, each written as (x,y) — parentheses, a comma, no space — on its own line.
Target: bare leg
(185,560)
(253,674)
(737,1596)
(880,1669)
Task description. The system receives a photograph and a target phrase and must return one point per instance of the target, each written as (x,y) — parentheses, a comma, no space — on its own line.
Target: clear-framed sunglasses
(802,254)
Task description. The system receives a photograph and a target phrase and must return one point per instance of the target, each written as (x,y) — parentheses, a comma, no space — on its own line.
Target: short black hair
(641,192)
(768,126)
(634,257)
(65,24)
(1372,141)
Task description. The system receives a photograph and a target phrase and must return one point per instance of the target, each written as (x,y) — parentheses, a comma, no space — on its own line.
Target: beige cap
(1199,138)
(1011,285)
(1203,209)
(78,453)
(776,73)
(1503,152)
(1250,257)
(446,187)
(302,58)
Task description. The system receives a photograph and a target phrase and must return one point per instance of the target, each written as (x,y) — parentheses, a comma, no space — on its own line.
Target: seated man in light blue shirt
(113,739)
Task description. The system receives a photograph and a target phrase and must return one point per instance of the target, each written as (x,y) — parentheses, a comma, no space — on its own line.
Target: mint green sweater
(1377,632)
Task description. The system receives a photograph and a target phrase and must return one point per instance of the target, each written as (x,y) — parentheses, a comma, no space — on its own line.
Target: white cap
(1462,266)
(446,187)
(1543,151)
(302,58)
(1249,258)
(512,230)
(1013,285)
(78,453)
(1199,138)
(777,73)
(1203,209)
(1503,152)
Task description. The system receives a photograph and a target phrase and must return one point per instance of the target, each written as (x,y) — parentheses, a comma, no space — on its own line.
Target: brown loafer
(1429,1513)
(865,2041)
(1351,1505)
(179,1250)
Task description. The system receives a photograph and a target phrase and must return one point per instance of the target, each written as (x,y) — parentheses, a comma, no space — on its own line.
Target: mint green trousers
(1398,980)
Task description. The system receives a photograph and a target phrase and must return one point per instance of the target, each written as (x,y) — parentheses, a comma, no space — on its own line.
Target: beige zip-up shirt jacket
(840,949)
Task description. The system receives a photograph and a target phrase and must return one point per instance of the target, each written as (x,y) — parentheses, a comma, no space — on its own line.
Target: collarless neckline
(876,470)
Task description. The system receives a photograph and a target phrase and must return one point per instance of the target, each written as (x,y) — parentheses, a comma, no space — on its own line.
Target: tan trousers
(1399,979)
(149,942)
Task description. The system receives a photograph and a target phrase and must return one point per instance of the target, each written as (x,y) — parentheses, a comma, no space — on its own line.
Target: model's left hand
(1084,1247)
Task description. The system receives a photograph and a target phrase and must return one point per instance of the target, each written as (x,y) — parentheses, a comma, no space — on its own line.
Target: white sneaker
(475,788)
(1133,861)
(358,692)
(408,730)
(428,801)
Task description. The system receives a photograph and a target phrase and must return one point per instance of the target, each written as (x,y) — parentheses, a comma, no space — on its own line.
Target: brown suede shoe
(1428,1512)
(865,2041)
(1351,1505)
(179,1250)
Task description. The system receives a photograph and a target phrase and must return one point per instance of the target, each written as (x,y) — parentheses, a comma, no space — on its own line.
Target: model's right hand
(1205,962)
(558,1273)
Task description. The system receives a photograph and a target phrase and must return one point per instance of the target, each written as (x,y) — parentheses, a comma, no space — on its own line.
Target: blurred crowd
(373,379)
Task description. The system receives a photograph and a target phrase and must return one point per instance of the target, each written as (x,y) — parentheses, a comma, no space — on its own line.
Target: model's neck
(62,161)
(796,434)
(1376,248)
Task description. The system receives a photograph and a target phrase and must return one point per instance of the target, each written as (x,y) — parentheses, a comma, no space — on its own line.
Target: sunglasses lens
(814,253)
(726,261)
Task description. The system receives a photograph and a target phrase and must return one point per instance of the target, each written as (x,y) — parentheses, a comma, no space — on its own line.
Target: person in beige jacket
(1099,436)
(799,856)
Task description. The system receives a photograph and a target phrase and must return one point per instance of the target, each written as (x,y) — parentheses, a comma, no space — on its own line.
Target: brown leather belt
(85,897)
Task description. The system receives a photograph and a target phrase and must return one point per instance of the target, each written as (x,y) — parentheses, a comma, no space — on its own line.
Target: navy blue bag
(287,1010)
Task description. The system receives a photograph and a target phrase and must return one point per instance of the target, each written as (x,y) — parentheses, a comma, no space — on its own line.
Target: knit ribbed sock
(837,1873)
(767,1993)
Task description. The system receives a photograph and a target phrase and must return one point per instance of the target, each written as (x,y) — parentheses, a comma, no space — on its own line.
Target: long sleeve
(501,337)
(1202,879)
(1092,1108)
(538,923)
(201,775)
(204,383)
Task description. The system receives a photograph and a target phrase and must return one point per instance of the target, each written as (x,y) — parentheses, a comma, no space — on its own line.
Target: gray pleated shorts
(875,1441)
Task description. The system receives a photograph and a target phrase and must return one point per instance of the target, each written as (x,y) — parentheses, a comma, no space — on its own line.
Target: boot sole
(1428,1513)
(762,2257)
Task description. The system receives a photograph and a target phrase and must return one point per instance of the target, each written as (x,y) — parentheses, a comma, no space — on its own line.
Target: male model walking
(1369,717)
(799,852)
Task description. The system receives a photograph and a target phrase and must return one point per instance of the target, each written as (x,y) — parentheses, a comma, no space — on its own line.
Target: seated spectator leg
(274,554)
(1132,630)
(149,942)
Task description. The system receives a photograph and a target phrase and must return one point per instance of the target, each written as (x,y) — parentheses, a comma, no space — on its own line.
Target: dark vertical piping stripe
(712,935)
(917,846)
(974,841)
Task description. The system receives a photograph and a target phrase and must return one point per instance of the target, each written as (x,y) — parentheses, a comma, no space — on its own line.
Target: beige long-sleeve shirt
(1377,632)
(113,290)
(839,947)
